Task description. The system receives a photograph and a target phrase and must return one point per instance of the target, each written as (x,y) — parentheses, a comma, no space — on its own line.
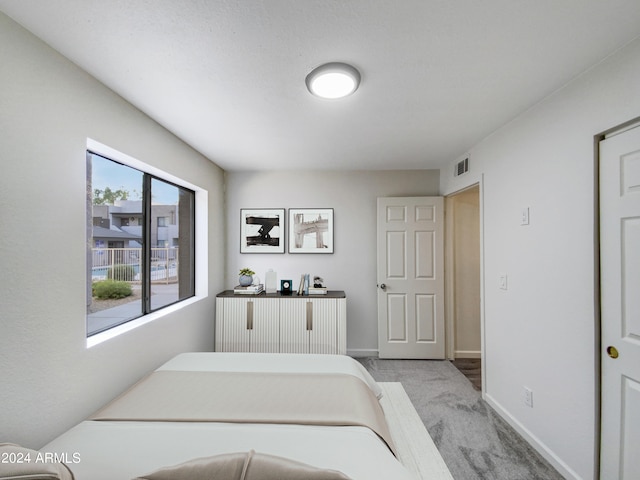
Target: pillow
(243,466)
(268,467)
(220,467)
(18,463)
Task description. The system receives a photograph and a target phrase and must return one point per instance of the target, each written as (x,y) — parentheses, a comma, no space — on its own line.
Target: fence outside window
(124,264)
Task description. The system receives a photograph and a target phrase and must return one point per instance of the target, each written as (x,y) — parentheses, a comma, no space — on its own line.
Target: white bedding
(122,450)
(268,362)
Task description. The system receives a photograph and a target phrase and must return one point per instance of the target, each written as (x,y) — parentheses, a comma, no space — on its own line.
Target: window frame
(199,253)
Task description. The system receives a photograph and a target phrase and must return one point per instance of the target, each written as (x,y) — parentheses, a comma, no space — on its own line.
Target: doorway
(463,292)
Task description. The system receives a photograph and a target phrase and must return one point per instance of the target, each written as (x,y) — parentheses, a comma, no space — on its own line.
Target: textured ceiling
(228,76)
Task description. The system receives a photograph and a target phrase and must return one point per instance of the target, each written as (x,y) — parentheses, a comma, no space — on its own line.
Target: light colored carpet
(474,441)
(414,446)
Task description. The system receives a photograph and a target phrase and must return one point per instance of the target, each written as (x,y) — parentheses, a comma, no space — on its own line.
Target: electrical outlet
(527,397)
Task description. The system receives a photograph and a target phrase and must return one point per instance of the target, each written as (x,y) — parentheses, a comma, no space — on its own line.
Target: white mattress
(122,450)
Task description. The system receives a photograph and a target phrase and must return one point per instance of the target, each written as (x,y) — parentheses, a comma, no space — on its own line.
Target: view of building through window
(141,244)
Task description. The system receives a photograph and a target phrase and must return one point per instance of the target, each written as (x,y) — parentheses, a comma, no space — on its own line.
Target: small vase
(246,280)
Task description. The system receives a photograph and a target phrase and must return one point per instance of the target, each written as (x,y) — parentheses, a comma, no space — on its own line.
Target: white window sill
(101,337)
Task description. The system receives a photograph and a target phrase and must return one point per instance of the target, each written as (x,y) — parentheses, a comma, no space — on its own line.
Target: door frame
(597,293)
(450,262)
(449,278)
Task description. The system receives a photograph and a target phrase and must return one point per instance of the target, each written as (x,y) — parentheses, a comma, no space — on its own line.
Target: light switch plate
(525,216)
(502,281)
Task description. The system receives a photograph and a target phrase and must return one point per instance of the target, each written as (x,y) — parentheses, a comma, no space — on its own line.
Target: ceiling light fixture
(333,80)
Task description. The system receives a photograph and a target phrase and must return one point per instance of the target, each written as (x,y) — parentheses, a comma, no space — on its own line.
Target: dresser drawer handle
(249,315)
(309,316)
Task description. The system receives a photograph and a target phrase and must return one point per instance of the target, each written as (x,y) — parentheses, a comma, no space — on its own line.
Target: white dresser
(280,323)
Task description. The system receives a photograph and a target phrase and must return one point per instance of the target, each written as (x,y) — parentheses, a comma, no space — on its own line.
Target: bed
(308,411)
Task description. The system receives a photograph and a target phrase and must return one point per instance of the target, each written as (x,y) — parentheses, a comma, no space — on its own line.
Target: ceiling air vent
(462,167)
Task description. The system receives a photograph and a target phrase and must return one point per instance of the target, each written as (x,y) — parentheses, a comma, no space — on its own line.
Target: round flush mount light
(333,80)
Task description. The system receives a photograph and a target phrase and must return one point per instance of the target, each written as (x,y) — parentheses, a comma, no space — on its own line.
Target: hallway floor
(472,369)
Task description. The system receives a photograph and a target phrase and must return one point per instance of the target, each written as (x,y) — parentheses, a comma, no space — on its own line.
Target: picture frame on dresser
(262,230)
(311,230)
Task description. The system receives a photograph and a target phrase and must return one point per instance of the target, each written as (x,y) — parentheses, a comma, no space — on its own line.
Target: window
(137,264)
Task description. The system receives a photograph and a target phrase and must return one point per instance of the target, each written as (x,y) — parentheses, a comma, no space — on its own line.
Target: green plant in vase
(246,277)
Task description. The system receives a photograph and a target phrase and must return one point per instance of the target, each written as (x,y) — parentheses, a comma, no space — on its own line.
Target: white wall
(541,332)
(49,380)
(352,268)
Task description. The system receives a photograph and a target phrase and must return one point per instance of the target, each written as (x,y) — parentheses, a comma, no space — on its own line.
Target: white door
(411,277)
(620,305)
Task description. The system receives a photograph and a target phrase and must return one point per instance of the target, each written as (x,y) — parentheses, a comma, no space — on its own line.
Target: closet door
(620,305)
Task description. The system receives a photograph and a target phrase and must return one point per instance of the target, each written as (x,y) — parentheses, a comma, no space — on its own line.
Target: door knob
(612,352)
(383,287)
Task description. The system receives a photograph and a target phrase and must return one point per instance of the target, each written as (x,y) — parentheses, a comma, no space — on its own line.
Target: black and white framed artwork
(262,230)
(311,230)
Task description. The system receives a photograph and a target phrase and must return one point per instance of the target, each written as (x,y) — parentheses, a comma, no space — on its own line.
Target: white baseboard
(362,352)
(467,354)
(534,441)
